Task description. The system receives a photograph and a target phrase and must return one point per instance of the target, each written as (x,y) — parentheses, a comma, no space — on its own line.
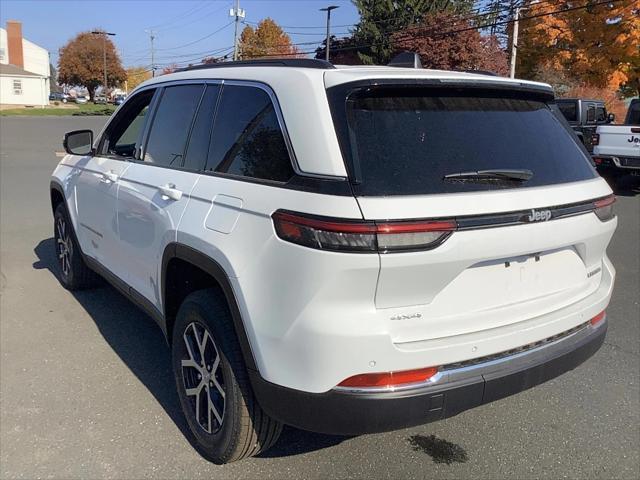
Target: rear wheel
(213,385)
(74,273)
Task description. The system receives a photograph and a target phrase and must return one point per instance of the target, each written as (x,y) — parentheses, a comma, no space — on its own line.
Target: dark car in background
(633,114)
(585,116)
(119,99)
(58,97)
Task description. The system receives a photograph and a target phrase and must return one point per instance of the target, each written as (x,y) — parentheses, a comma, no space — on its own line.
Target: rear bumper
(609,163)
(458,388)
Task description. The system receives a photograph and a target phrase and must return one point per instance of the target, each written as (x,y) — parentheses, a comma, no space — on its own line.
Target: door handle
(170,191)
(109,177)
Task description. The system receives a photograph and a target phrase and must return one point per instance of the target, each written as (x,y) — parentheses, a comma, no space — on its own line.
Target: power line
(183,15)
(198,40)
(432,31)
(477,27)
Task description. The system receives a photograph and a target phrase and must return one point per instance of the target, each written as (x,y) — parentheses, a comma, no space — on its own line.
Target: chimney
(14,43)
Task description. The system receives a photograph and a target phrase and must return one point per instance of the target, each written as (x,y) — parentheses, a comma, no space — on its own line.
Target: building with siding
(24,69)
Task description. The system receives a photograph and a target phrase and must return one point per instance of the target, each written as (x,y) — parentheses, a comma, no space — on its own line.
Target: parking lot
(86,389)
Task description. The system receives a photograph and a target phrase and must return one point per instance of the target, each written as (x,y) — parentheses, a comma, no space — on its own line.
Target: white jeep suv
(342,249)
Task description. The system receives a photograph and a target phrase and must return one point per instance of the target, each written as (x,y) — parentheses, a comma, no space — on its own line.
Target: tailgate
(618,141)
(485,277)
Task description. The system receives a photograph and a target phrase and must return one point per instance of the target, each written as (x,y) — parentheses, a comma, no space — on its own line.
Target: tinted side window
(171,123)
(247,140)
(591,114)
(633,116)
(196,156)
(601,114)
(125,131)
(569,110)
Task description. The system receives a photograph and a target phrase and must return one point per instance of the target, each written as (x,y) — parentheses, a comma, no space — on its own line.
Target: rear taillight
(361,236)
(595,139)
(598,318)
(389,380)
(597,160)
(603,208)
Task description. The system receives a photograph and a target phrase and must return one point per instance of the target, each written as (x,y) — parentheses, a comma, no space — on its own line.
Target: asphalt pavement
(86,389)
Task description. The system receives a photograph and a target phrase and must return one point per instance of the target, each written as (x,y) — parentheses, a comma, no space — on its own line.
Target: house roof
(13,71)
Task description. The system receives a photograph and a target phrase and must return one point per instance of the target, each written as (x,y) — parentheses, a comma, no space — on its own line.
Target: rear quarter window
(403,141)
(569,110)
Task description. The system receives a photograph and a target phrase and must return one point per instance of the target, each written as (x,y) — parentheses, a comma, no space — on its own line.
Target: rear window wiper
(519,175)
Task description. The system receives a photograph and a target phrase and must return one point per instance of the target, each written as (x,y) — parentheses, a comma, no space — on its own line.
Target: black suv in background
(584,116)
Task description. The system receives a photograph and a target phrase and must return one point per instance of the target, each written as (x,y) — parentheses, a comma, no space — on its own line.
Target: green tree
(380,19)
(81,63)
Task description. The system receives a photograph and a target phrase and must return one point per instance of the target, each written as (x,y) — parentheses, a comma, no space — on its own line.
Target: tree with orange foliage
(137,75)
(169,69)
(81,63)
(268,40)
(597,45)
(438,47)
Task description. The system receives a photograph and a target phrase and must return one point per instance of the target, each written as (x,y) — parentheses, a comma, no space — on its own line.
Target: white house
(24,69)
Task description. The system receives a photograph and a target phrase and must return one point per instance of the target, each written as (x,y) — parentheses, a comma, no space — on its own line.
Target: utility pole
(238,13)
(328,10)
(152,37)
(104,56)
(514,43)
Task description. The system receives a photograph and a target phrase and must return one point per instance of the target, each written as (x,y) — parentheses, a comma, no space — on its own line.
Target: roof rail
(265,62)
(480,72)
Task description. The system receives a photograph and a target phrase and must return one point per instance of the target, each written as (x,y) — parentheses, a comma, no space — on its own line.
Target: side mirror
(78,142)
(611,118)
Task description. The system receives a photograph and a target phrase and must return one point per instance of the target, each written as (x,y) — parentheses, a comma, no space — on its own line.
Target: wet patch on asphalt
(441,451)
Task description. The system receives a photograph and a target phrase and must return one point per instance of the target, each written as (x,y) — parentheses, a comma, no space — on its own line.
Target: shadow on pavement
(140,344)
(625,185)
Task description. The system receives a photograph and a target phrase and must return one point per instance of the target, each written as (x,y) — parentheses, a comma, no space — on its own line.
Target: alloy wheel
(202,377)
(65,246)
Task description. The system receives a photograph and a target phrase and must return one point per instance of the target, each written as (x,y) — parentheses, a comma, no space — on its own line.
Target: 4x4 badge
(539,215)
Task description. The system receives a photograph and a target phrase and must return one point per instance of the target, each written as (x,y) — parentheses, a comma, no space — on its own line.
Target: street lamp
(104,55)
(328,10)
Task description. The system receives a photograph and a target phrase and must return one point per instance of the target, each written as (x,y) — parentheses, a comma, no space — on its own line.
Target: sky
(185,31)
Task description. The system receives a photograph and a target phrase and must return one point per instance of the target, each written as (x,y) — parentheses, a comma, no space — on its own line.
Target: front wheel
(213,385)
(74,273)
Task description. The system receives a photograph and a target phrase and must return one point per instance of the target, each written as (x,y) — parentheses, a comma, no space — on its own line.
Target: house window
(17,87)
(2,54)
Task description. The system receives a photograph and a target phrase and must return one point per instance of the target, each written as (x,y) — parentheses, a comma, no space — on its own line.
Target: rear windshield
(403,141)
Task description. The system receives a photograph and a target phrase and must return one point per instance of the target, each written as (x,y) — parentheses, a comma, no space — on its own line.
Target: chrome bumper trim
(501,364)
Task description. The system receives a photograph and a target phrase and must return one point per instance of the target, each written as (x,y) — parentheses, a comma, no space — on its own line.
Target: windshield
(407,141)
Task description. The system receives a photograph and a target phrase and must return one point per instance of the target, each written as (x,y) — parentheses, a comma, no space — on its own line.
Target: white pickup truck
(616,148)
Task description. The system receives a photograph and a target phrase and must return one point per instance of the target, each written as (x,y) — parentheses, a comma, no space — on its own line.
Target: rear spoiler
(540,90)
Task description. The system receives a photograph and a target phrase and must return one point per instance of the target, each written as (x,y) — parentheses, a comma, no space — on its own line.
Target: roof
(14,71)
(265,70)
(301,92)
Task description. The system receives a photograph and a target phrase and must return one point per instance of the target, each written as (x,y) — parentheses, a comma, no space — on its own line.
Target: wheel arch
(179,258)
(56,192)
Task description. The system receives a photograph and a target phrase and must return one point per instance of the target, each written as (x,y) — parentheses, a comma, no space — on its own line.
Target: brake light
(597,160)
(361,236)
(595,139)
(389,379)
(598,318)
(603,208)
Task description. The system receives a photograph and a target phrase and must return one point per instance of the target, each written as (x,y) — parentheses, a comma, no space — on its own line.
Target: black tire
(246,429)
(73,272)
